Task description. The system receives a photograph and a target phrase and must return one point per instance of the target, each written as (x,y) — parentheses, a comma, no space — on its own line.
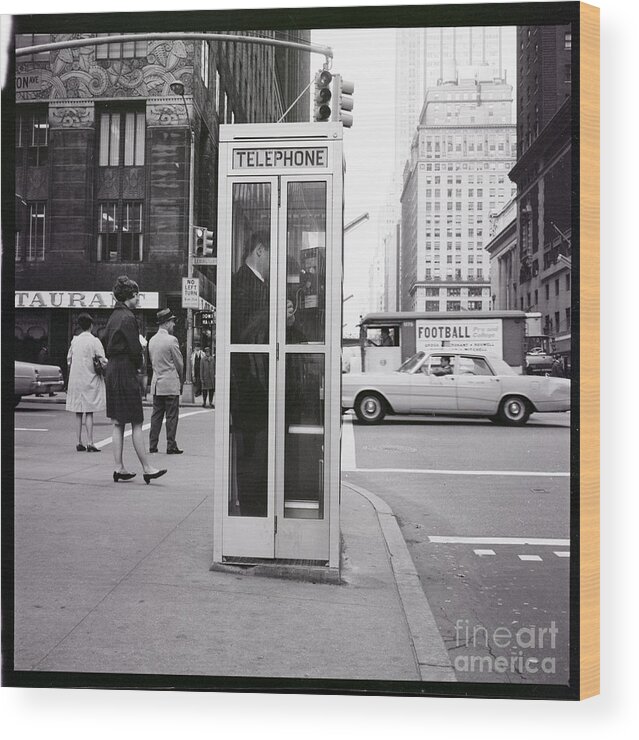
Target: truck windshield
(411,364)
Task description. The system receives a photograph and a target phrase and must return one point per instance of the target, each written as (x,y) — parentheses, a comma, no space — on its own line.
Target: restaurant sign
(472,335)
(78,299)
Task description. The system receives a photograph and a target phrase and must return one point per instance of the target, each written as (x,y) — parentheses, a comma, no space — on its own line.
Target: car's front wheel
(370,408)
(514,410)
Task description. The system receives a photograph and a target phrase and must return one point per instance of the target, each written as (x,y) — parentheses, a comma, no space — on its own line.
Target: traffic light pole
(187,390)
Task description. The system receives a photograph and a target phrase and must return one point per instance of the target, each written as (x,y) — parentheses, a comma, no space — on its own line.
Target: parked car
(453,383)
(538,361)
(29,378)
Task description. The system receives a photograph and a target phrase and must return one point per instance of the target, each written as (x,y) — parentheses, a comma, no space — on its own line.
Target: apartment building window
(474,292)
(126,50)
(568,40)
(568,319)
(120,226)
(557,324)
(427,272)
(536,297)
(36,233)
(204,63)
(122,139)
(557,287)
(480,273)
(567,281)
(547,291)
(432,292)
(474,305)
(32,136)
(453,292)
(431,305)
(453,305)
(33,39)
(567,73)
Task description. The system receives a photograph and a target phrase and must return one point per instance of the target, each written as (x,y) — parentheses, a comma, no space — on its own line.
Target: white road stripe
(481,553)
(348,445)
(423,471)
(28,429)
(562,554)
(529,557)
(108,440)
(437,539)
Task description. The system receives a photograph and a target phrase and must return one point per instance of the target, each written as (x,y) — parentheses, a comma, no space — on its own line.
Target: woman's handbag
(97,365)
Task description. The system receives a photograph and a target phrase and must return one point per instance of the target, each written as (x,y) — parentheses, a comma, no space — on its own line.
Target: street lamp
(187,392)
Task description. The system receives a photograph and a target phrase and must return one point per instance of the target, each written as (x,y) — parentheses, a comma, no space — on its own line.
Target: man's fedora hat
(165,315)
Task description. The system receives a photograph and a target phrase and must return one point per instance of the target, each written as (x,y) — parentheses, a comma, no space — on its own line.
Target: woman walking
(85,392)
(207,376)
(123,397)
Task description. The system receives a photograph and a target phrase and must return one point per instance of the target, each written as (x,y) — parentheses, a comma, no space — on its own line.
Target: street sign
(205,260)
(190,293)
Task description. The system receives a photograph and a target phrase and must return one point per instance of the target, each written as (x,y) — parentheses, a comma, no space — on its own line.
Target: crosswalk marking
(529,557)
(562,553)
(481,553)
(499,541)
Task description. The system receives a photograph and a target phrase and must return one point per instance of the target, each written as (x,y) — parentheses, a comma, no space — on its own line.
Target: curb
(431,655)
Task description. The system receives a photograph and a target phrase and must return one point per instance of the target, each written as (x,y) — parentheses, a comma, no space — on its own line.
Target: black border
(484,14)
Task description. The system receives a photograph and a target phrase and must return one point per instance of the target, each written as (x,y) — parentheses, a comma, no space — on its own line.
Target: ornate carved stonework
(133,183)
(167,112)
(76,73)
(108,183)
(72,114)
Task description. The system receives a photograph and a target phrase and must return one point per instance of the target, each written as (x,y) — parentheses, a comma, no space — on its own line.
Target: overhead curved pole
(326,51)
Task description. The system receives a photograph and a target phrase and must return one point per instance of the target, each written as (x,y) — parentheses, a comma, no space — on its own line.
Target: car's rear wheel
(514,410)
(370,408)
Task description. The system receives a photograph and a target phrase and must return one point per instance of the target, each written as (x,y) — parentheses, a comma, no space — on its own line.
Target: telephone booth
(279,318)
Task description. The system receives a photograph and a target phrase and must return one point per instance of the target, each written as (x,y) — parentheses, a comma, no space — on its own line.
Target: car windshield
(412,363)
(500,367)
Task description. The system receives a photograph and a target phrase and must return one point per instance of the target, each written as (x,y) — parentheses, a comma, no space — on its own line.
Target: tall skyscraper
(457,175)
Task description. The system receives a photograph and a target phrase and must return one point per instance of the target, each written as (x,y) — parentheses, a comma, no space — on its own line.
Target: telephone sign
(303,157)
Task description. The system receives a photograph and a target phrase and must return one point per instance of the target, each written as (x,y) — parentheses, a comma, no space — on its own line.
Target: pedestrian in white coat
(86,391)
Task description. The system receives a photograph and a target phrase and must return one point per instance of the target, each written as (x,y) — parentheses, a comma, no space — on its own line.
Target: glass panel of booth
(251,263)
(249,439)
(306,262)
(304,436)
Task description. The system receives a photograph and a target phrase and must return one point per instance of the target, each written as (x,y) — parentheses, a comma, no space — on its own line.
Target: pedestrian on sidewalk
(123,398)
(168,379)
(207,376)
(86,392)
(196,356)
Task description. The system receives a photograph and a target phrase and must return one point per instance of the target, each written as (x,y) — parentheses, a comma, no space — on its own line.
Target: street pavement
(115,577)
(484,510)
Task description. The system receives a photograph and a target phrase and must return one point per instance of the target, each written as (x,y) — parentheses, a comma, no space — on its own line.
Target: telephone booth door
(278,366)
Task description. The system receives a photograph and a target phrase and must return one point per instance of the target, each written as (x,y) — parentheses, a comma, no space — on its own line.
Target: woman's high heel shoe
(148,477)
(123,476)
(80,448)
(92,448)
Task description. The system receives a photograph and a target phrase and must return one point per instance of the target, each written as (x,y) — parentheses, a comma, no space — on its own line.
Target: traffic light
(202,242)
(322,97)
(342,101)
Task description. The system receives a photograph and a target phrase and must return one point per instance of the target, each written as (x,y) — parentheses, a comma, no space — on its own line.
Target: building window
(204,63)
(218,83)
(33,39)
(568,40)
(32,136)
(122,138)
(453,292)
(567,73)
(431,305)
(557,321)
(126,50)
(547,291)
(474,305)
(120,237)
(36,232)
(453,305)
(557,287)
(567,281)
(568,319)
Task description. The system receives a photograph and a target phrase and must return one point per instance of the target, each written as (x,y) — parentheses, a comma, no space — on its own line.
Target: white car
(453,383)
(30,377)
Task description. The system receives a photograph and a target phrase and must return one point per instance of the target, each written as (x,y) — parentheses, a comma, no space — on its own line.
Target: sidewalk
(115,578)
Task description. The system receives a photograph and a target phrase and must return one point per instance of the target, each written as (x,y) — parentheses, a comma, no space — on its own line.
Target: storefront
(46,321)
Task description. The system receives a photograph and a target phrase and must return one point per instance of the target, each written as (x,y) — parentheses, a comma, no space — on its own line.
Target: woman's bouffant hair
(85,321)
(125,288)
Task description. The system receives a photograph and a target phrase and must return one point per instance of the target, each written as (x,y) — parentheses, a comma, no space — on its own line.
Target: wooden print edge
(589,620)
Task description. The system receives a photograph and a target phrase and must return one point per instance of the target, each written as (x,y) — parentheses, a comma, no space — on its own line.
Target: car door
(478,388)
(433,390)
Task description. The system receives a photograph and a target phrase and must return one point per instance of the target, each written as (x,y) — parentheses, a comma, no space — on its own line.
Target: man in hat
(168,379)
